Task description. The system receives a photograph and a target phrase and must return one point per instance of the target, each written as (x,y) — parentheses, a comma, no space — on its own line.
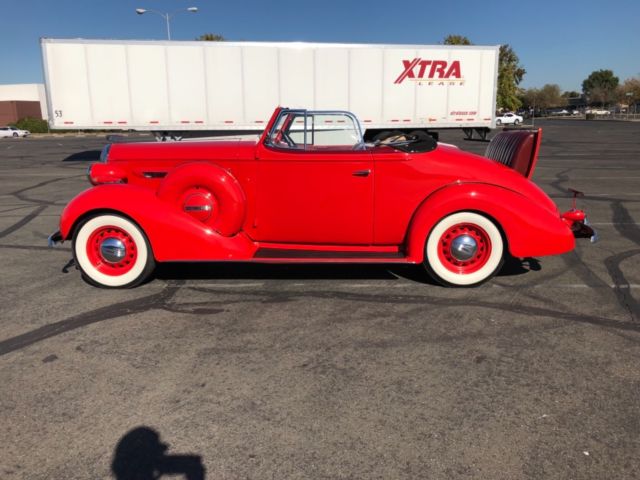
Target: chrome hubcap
(113,250)
(464,247)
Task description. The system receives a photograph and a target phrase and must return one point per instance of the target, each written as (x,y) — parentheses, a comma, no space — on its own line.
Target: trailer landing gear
(482,133)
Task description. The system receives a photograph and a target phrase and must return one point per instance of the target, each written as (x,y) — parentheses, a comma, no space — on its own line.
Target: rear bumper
(579,225)
(585,230)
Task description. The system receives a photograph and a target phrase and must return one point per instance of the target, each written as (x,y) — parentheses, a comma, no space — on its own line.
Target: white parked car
(598,111)
(13,132)
(509,119)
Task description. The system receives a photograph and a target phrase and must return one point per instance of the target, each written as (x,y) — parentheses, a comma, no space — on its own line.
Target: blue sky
(557,41)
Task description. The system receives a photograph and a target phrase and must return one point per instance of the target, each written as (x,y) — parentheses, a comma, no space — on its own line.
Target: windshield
(300,129)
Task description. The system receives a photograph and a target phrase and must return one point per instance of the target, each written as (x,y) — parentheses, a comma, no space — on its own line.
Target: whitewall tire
(463,250)
(113,252)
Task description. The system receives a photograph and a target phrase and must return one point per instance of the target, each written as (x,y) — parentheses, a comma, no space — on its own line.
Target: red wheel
(464,249)
(111,251)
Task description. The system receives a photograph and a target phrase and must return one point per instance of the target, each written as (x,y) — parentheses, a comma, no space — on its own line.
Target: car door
(320,194)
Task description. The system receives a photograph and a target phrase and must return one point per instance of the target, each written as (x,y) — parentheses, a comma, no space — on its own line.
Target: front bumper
(54,239)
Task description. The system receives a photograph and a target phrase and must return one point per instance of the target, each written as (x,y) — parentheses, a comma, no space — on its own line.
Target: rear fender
(173,234)
(529,229)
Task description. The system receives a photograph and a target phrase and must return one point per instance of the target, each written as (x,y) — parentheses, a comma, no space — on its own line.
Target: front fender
(530,229)
(173,234)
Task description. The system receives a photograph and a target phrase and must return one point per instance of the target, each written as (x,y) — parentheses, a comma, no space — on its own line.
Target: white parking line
(572,179)
(396,284)
(22,174)
(584,285)
(613,223)
(556,167)
(567,155)
(21,216)
(226,285)
(611,194)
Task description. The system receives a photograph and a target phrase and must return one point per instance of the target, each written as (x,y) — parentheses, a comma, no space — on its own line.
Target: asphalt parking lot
(249,371)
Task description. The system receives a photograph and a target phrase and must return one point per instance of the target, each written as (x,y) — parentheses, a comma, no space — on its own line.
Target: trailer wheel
(482,132)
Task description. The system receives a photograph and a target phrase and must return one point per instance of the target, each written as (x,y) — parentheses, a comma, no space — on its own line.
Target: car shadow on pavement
(519,266)
(140,455)
(86,156)
(261,271)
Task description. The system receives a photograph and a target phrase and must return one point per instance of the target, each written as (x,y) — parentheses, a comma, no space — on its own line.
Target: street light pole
(166,16)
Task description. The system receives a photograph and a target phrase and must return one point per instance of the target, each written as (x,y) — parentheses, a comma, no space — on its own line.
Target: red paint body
(375,204)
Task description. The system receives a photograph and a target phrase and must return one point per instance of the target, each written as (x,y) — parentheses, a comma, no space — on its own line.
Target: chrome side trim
(197,208)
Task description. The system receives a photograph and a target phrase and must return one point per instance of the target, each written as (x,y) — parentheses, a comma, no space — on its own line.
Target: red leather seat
(517,149)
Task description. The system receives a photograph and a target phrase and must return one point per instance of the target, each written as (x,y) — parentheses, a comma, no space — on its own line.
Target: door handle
(361,173)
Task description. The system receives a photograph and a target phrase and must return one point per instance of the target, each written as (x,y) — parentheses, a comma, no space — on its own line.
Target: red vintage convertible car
(310,190)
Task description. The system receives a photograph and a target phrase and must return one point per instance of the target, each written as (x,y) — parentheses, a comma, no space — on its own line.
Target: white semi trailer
(178,88)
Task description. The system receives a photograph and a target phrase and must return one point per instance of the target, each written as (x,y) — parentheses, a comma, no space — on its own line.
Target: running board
(273,253)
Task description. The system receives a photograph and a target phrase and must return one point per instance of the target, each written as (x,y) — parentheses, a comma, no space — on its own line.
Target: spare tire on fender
(208,193)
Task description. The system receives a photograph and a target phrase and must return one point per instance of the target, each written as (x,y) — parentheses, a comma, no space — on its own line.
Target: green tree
(600,86)
(211,37)
(510,73)
(456,40)
(531,98)
(34,125)
(570,94)
(550,96)
(546,97)
(629,91)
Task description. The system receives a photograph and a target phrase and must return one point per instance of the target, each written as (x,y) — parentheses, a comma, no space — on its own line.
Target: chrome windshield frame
(306,114)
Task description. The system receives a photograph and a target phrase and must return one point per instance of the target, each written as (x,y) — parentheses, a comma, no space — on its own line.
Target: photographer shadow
(140,455)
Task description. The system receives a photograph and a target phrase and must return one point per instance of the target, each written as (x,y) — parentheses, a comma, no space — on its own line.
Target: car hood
(183,151)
